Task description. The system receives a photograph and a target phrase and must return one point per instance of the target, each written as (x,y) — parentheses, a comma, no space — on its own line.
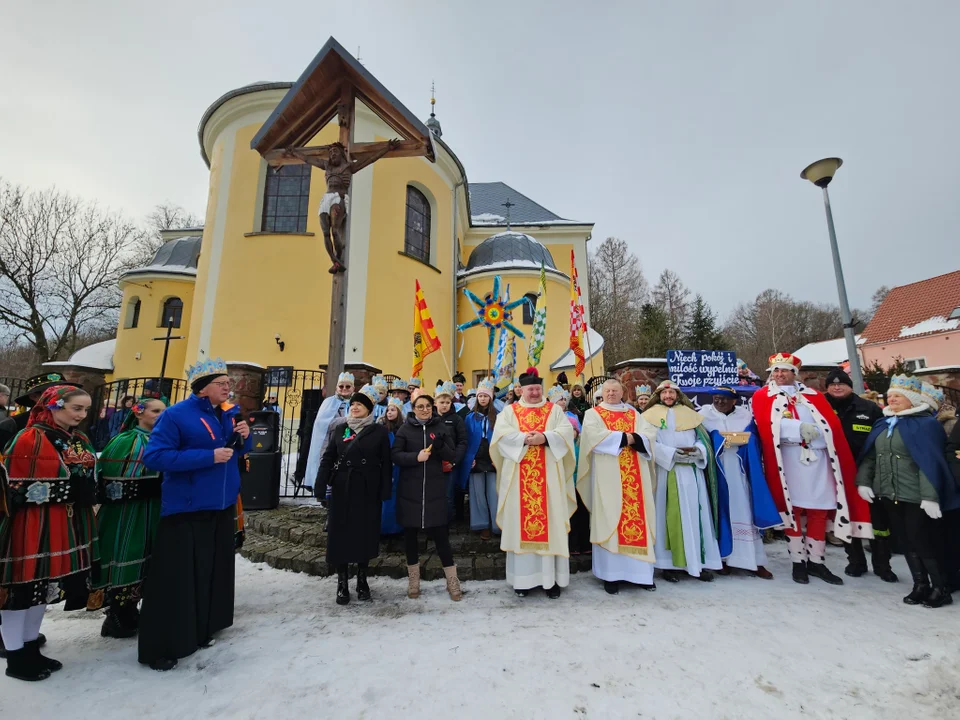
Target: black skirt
(188,591)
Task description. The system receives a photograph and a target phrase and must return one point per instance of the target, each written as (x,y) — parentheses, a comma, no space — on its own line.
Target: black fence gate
(299,394)
(17,387)
(108,409)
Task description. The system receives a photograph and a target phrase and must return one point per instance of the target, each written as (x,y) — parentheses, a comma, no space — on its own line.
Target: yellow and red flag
(578,325)
(425,340)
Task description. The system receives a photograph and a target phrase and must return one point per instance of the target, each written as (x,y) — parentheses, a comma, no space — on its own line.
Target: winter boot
(22,665)
(819,570)
(116,624)
(705,576)
(554,592)
(940,595)
(453,583)
(413,581)
(41,638)
(671,576)
(363,590)
(343,590)
(800,574)
(612,588)
(921,584)
(856,560)
(45,663)
(880,554)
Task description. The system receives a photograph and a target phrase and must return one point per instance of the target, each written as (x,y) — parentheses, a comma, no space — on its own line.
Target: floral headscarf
(52,399)
(138,409)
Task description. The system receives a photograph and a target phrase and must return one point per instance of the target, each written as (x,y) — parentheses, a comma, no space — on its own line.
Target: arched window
(172,310)
(529,308)
(133,313)
(416,242)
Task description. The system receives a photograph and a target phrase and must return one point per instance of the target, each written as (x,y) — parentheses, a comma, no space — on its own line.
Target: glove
(931,508)
(809,432)
(866,493)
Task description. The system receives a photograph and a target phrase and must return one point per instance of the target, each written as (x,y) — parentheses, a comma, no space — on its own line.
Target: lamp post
(820,174)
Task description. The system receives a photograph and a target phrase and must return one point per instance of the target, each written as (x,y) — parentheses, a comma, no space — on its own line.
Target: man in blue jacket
(188,592)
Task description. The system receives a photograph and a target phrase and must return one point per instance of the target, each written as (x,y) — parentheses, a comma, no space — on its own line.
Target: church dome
(175,257)
(509,251)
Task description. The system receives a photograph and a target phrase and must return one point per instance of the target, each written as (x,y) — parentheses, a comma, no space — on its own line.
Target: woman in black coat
(420,447)
(356,465)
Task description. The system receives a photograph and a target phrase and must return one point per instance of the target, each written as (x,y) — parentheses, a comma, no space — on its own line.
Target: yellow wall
(130,341)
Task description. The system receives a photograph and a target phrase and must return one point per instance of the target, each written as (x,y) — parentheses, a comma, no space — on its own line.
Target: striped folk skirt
(127,531)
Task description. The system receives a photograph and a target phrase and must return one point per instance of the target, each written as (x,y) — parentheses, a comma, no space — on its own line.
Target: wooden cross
(166,348)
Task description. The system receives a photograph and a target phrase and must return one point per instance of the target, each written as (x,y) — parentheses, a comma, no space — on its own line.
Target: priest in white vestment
(686,537)
(330,409)
(740,473)
(615,480)
(532,449)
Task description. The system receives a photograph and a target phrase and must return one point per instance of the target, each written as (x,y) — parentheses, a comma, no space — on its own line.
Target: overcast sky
(680,127)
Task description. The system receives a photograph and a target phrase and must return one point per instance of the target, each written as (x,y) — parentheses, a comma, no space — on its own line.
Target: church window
(172,310)
(417,238)
(133,312)
(286,194)
(529,308)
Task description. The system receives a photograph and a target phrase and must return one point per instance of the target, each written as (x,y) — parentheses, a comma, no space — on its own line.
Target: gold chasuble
(534,482)
(617,487)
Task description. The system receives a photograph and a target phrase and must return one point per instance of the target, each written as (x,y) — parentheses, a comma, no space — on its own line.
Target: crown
(378,380)
(785,360)
(415,382)
(643,390)
(487,386)
(901,383)
(396,402)
(398,384)
(555,393)
(371,392)
(206,368)
(447,388)
(932,396)
(346,377)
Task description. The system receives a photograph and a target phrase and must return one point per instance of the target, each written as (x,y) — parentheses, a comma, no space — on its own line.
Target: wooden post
(336,352)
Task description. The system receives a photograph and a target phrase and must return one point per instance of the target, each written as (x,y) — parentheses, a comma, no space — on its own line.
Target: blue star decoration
(493,313)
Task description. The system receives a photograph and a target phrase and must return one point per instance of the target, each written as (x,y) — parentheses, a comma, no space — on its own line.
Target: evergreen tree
(702,332)
(653,331)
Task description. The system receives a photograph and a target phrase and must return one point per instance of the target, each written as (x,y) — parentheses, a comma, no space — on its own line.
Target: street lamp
(820,174)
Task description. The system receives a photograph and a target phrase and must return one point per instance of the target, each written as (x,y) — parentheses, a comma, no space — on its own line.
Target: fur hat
(530,377)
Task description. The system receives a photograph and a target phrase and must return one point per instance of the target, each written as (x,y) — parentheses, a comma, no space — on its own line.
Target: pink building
(919,322)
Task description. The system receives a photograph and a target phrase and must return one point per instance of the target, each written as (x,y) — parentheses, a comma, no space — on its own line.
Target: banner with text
(702,368)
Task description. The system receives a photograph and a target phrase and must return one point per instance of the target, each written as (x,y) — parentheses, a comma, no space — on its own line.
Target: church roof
(487,207)
(254,87)
(174,257)
(509,251)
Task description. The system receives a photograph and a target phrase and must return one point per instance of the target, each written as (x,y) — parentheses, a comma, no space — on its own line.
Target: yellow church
(251,286)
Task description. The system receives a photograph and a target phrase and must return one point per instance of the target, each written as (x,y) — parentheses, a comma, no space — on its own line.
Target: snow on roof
(936,369)
(937,323)
(826,352)
(509,265)
(487,219)
(169,269)
(568,359)
(98,356)
(641,361)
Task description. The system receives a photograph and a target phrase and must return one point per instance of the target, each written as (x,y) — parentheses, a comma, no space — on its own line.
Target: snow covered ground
(737,648)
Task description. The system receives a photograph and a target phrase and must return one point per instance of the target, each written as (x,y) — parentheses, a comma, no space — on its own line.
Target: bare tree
(60,261)
(165,216)
(673,297)
(876,300)
(618,291)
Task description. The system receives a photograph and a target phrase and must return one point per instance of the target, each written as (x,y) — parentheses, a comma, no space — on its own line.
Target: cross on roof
(508,205)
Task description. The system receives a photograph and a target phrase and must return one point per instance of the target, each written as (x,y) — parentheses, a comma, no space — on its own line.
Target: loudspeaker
(264,431)
(260,486)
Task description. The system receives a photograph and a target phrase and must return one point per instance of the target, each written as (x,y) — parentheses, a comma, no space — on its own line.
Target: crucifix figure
(339,170)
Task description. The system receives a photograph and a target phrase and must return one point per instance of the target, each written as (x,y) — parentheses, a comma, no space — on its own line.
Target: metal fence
(107,411)
(17,388)
(951,395)
(299,395)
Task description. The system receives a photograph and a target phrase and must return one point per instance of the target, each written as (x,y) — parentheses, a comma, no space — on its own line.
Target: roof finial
(508,205)
(432,121)
(358,55)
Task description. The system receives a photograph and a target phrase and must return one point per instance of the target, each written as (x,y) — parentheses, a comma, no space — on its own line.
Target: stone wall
(362,373)
(247,385)
(814,376)
(650,372)
(948,377)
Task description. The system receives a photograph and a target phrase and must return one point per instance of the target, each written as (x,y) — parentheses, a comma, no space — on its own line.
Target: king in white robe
(615,481)
(536,495)
(686,498)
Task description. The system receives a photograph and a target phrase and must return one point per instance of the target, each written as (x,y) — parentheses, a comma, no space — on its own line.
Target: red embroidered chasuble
(534,529)
(632,530)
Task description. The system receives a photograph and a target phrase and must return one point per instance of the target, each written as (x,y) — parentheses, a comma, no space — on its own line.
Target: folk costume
(904,469)
(536,495)
(188,593)
(615,480)
(746,506)
(48,540)
(810,471)
(686,497)
(330,409)
(127,526)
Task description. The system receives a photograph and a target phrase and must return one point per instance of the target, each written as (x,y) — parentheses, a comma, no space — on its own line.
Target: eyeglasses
(423,407)
(223,383)
(344,387)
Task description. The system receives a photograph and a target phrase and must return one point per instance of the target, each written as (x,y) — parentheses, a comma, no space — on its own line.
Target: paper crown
(371,392)
(487,387)
(643,390)
(447,388)
(396,402)
(378,381)
(415,382)
(785,361)
(932,396)
(910,387)
(555,393)
(346,377)
(206,368)
(398,384)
